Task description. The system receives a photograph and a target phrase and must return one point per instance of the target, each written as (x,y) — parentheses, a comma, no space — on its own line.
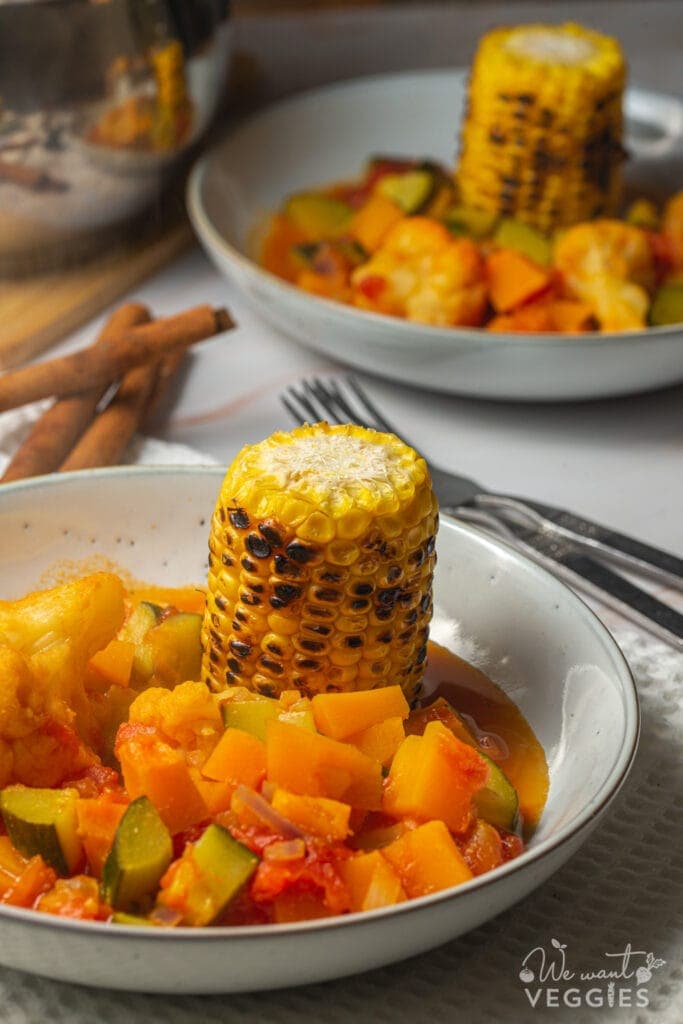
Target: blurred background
(105,103)
(345,39)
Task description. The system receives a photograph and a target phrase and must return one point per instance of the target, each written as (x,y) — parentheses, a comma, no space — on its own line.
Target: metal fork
(559,540)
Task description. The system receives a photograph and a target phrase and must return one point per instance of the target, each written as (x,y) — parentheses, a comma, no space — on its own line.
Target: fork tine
(372,409)
(290,398)
(320,399)
(349,411)
(317,390)
(291,408)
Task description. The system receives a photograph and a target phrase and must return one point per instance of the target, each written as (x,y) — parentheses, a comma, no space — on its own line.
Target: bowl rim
(580,822)
(437,336)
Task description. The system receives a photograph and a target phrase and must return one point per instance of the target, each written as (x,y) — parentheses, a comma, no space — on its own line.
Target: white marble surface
(618,461)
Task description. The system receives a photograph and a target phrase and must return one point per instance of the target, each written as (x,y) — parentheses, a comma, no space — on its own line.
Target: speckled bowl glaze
(505,615)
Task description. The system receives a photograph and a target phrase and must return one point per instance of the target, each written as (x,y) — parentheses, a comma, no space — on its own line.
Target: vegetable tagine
(267,751)
(525,235)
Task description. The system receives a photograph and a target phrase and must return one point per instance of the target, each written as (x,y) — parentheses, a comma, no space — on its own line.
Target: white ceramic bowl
(510,618)
(326,135)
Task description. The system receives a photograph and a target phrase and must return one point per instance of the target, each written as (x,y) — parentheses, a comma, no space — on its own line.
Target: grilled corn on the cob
(173,105)
(320,566)
(541,139)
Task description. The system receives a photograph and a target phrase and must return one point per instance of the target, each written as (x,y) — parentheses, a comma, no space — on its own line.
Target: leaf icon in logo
(556,944)
(526,975)
(643,975)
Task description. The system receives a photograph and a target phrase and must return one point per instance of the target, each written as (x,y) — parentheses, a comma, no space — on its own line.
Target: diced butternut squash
(571,316)
(296,710)
(98,819)
(12,863)
(426,859)
(327,286)
(314,815)
(381,740)
(340,715)
(439,711)
(314,765)
(547,315)
(114,663)
(154,769)
(371,223)
(483,850)
(216,795)
(276,252)
(237,758)
(435,776)
(514,279)
(372,881)
(22,879)
(385,887)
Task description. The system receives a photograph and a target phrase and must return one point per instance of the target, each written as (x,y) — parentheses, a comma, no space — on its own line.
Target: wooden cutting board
(39,311)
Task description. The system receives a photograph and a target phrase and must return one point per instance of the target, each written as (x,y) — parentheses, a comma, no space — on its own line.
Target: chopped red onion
(265,813)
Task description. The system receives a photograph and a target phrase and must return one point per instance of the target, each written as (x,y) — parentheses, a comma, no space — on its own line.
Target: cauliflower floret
(610,266)
(46,640)
(187,716)
(38,743)
(87,612)
(422,273)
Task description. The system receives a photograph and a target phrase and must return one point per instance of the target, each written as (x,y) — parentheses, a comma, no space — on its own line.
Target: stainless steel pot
(99,101)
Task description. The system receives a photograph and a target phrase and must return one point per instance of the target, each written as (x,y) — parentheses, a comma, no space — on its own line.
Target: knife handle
(618,548)
(584,573)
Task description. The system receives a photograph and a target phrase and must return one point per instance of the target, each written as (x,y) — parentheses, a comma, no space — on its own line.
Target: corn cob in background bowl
(321,564)
(542,137)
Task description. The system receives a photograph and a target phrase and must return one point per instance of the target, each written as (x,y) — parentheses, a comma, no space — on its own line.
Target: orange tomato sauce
(473,694)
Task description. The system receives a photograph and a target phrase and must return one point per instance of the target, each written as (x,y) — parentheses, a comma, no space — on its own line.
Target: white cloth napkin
(142,450)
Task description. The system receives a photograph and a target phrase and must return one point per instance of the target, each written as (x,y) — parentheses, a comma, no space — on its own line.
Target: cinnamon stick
(106,438)
(101,364)
(29,177)
(55,433)
(166,370)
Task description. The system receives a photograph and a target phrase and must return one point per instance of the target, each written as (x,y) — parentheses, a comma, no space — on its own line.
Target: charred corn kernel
(321,563)
(541,141)
(172,113)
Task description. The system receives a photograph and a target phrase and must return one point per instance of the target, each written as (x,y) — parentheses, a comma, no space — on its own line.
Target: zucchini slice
(176,648)
(140,854)
(132,919)
(143,618)
(250,716)
(410,191)
(317,215)
(223,867)
(44,822)
(470,221)
(667,305)
(498,802)
(513,234)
